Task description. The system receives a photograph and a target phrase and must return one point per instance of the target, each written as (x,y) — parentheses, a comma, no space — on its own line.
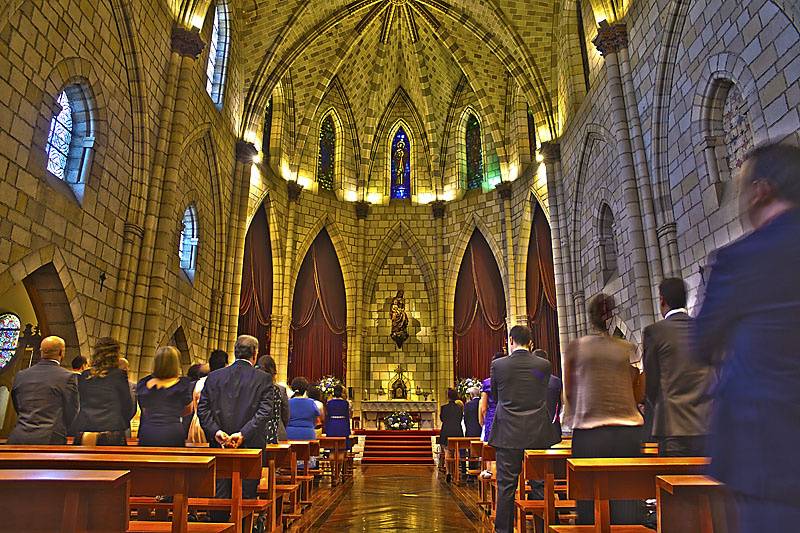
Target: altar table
(373,412)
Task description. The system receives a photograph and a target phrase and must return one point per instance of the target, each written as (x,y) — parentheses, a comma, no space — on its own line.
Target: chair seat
(292,487)
(590,529)
(138,526)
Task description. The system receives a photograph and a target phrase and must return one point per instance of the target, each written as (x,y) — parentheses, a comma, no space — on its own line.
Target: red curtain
(318,335)
(479,327)
(541,290)
(255,304)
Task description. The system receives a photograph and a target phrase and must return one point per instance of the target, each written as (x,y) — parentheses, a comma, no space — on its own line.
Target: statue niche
(399,319)
(399,389)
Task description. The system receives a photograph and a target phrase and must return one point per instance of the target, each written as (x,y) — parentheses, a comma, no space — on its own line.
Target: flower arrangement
(327,384)
(398,421)
(465,384)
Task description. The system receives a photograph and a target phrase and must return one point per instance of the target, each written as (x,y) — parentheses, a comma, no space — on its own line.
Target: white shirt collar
(245,360)
(56,361)
(675,312)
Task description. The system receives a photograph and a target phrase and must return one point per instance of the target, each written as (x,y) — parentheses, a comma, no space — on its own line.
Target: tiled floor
(396,498)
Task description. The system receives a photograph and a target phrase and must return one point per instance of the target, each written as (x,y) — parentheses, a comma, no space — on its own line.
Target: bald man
(45,397)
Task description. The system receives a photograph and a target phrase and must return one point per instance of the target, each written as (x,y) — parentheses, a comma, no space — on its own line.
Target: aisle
(396,498)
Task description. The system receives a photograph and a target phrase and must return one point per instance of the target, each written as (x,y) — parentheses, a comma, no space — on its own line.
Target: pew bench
(337,456)
(685,504)
(64,500)
(288,490)
(179,476)
(606,479)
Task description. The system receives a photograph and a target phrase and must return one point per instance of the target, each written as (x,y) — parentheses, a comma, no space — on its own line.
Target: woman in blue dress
(337,418)
(164,397)
(303,412)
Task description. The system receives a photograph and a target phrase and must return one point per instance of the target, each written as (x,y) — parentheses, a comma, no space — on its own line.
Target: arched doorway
(255,302)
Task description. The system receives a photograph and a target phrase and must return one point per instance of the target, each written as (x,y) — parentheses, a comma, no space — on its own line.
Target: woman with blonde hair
(106,403)
(164,397)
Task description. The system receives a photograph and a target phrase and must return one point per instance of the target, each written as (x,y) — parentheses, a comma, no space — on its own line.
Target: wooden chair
(686,505)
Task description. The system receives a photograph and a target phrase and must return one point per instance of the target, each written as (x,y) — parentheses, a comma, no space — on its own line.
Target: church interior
(376,190)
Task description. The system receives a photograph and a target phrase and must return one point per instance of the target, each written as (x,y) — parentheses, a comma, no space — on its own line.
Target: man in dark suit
(45,397)
(677,386)
(234,407)
(519,383)
(554,389)
(751,316)
(471,425)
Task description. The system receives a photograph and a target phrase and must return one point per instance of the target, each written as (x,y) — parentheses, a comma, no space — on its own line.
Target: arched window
(9,337)
(70,138)
(187,248)
(582,41)
(736,129)
(608,245)
(218,54)
(474,153)
(531,132)
(326,163)
(267,131)
(401,165)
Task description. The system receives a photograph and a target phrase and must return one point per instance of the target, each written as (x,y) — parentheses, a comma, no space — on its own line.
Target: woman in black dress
(164,397)
(106,403)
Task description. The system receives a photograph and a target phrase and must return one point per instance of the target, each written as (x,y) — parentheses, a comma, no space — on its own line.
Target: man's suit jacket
(677,385)
(519,384)
(237,399)
(450,415)
(751,313)
(45,397)
(471,425)
(554,388)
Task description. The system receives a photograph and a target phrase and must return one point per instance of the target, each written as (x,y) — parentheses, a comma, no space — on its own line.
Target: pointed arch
(471,150)
(330,152)
(400,163)
(257,281)
(218,52)
(175,335)
(400,231)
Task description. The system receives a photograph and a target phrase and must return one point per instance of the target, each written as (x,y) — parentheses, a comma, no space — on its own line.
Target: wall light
(374,197)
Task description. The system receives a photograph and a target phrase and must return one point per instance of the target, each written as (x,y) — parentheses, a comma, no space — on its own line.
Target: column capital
(362,209)
(438,207)
(611,38)
(667,230)
(504,189)
(551,152)
(187,43)
(245,151)
(294,189)
(133,230)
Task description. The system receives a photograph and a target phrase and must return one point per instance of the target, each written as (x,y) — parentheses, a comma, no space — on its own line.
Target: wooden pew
(284,458)
(179,476)
(64,500)
(337,453)
(685,504)
(455,445)
(233,464)
(303,451)
(608,479)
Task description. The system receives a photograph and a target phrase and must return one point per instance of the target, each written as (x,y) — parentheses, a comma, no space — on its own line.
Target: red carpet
(397,447)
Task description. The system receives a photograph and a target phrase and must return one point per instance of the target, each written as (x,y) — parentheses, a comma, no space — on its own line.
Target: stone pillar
(551,152)
(668,239)
(245,152)
(444,346)
(132,241)
(505,192)
(159,226)
(355,349)
(609,41)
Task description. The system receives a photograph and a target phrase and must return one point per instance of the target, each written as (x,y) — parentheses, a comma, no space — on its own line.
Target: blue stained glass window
(474,153)
(9,337)
(401,165)
(59,138)
(187,248)
(327,154)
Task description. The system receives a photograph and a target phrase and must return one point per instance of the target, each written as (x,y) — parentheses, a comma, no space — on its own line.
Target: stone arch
(461,149)
(458,249)
(525,229)
(175,335)
(46,268)
(399,231)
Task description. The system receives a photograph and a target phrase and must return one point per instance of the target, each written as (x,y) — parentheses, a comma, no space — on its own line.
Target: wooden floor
(396,498)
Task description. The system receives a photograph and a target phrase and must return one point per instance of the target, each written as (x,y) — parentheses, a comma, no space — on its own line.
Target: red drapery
(541,290)
(479,327)
(255,303)
(318,334)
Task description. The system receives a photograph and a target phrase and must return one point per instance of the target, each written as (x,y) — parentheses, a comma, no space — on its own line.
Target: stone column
(505,192)
(355,349)
(159,226)
(444,346)
(551,152)
(668,239)
(245,152)
(132,241)
(609,41)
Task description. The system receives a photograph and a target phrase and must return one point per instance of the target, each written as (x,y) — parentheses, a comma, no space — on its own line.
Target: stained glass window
(327,154)
(531,133)
(608,245)
(736,127)
(217,54)
(267,132)
(9,336)
(474,153)
(59,138)
(401,165)
(187,250)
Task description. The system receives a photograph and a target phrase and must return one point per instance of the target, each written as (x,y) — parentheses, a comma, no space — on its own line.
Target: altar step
(397,447)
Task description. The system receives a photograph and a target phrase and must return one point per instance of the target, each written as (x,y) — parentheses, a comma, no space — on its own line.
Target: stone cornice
(504,189)
(611,38)
(187,43)
(551,152)
(293,189)
(438,208)
(245,151)
(362,209)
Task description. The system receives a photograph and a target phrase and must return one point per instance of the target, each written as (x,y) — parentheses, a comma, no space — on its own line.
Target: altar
(373,412)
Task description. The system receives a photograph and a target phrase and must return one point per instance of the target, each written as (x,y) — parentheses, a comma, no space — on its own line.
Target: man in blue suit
(234,408)
(751,318)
